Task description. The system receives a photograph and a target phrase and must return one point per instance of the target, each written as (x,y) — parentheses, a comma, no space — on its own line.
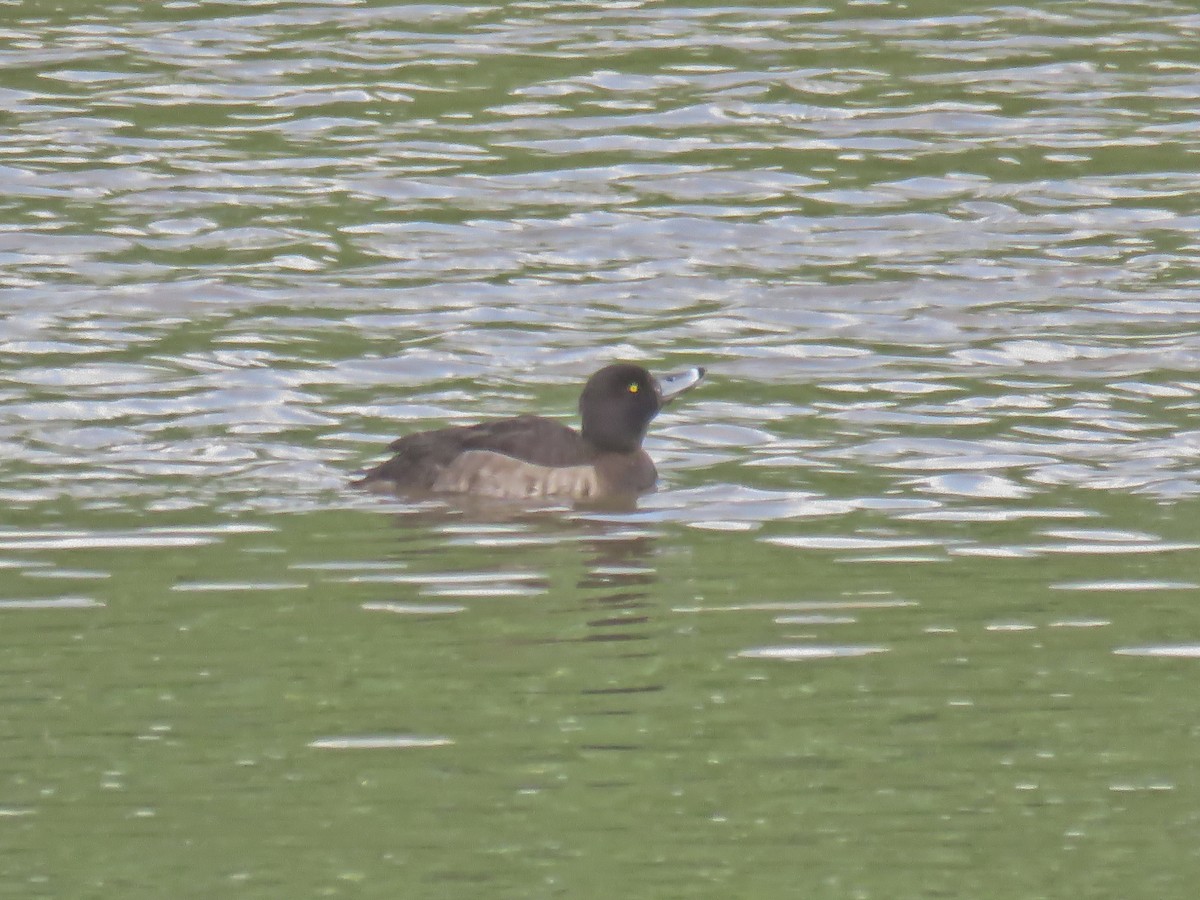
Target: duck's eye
(634,388)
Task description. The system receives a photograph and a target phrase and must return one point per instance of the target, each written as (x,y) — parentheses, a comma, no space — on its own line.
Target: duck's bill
(676,383)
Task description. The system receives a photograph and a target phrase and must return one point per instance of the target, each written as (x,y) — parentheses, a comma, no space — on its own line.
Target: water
(913,614)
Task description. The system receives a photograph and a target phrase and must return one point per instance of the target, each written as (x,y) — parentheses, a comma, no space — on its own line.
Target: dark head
(619,401)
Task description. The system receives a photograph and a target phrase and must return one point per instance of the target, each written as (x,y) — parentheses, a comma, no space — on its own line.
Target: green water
(602,733)
(912,614)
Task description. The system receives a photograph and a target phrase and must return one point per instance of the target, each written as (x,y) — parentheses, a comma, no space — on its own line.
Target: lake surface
(914,612)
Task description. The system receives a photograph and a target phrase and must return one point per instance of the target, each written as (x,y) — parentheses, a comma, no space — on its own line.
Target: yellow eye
(633,388)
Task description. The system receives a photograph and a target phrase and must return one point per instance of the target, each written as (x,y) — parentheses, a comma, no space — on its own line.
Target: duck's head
(619,402)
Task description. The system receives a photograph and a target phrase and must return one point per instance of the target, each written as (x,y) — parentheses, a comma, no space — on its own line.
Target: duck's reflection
(591,582)
(617,593)
(616,584)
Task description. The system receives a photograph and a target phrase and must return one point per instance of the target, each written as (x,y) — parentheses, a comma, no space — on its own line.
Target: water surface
(913,613)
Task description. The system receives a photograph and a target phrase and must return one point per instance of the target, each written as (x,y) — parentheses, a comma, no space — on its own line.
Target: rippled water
(913,613)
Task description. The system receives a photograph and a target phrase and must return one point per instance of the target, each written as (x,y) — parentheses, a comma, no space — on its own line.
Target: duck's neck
(611,440)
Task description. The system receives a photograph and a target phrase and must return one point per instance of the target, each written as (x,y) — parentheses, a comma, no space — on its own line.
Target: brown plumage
(533,457)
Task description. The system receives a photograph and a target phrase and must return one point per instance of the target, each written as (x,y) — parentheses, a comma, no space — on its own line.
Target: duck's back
(421,459)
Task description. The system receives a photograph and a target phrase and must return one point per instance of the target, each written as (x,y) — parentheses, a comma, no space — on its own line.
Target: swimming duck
(534,457)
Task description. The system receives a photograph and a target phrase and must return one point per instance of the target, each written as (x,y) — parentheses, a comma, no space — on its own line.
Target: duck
(531,457)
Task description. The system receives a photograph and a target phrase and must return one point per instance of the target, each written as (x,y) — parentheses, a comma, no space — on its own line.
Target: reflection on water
(379,742)
(920,578)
